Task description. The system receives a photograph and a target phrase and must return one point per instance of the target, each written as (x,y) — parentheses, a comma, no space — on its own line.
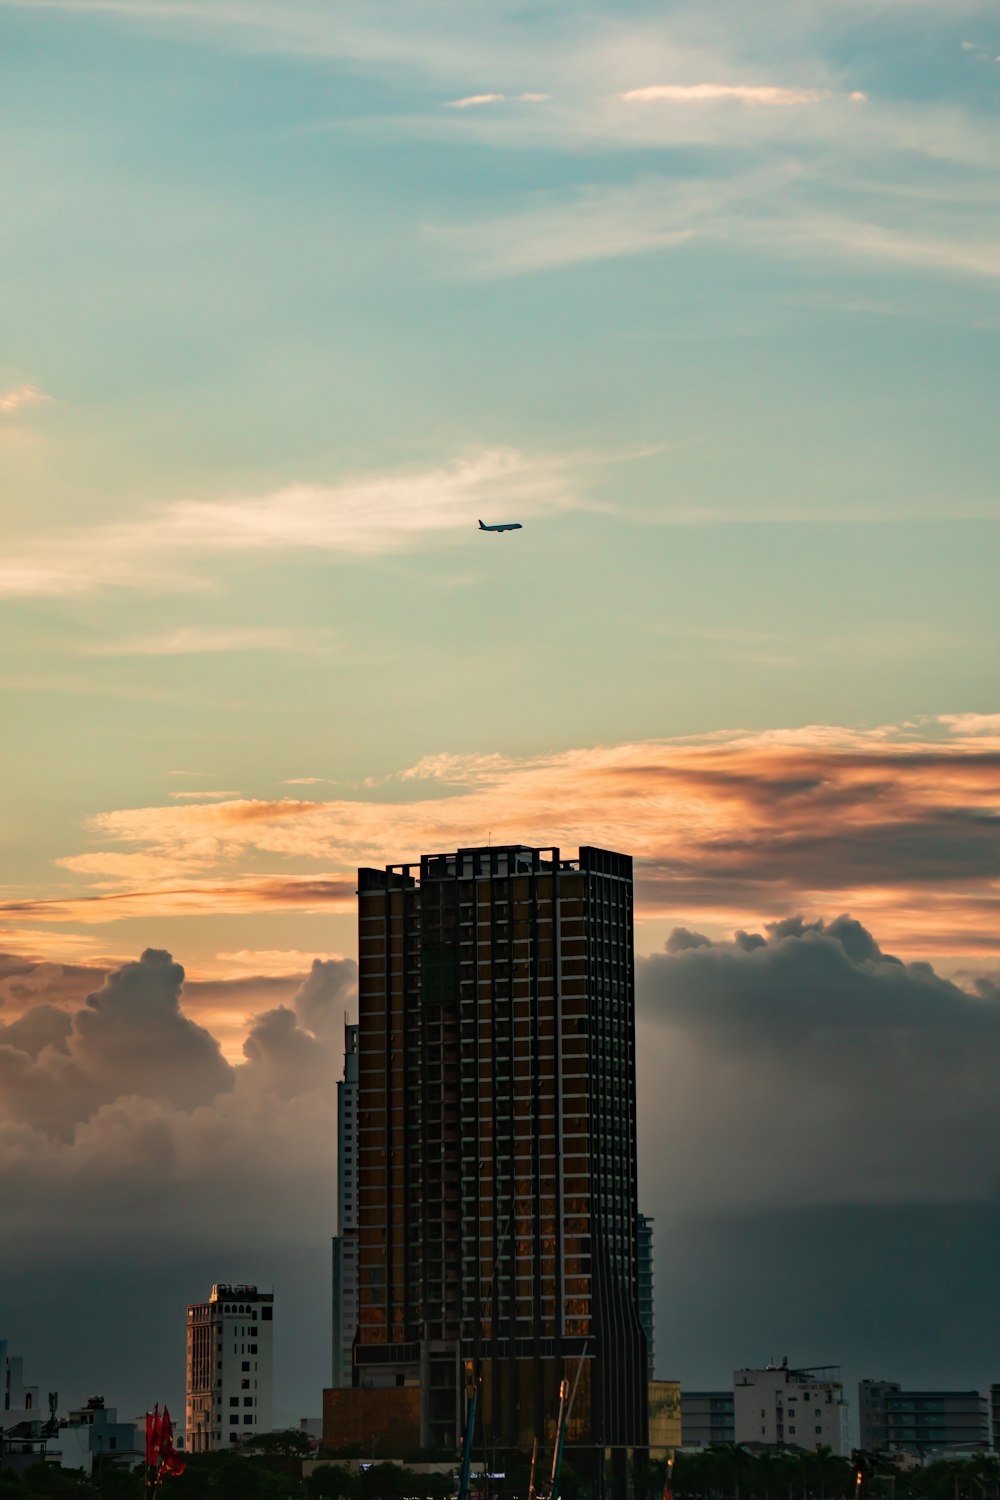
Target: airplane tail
(481,526)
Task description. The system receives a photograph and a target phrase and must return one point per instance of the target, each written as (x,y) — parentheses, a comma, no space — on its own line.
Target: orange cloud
(241,897)
(897,823)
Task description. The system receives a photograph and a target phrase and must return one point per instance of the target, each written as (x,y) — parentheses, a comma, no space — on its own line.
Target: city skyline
(705,296)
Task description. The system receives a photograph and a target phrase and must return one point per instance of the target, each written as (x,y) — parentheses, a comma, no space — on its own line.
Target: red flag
(170,1462)
(154,1435)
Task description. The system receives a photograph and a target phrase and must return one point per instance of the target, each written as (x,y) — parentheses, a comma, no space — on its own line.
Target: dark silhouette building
(497,1148)
(922,1422)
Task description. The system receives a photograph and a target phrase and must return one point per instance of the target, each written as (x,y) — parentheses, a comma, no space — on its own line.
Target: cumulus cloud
(128,1037)
(804,1066)
(793,1069)
(125,1109)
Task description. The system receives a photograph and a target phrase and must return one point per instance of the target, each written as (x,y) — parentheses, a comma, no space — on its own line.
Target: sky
(295,291)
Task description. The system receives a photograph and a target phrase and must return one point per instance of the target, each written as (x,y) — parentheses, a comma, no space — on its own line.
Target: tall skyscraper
(345,1244)
(647,1298)
(228,1366)
(497,1123)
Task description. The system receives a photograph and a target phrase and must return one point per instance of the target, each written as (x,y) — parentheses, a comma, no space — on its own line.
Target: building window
(253,1350)
(234,1420)
(248,1421)
(245,1384)
(234,1400)
(248,1401)
(246,1364)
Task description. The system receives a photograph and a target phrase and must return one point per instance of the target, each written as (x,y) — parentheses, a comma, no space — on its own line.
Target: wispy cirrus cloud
(894,822)
(472,100)
(220,796)
(195,640)
(17,397)
(771,95)
(777,210)
(238,897)
(170,547)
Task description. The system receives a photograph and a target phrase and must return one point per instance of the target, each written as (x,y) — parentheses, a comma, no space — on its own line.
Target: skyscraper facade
(228,1366)
(497,1215)
(647,1302)
(345,1244)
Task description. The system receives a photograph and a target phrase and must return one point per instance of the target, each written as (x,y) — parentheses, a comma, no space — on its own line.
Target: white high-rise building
(228,1366)
(345,1244)
(790,1408)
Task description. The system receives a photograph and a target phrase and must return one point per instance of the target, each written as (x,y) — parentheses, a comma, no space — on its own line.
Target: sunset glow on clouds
(899,825)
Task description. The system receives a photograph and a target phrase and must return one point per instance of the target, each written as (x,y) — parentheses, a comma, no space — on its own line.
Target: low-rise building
(922,1422)
(706,1417)
(789,1408)
(92,1436)
(664,1416)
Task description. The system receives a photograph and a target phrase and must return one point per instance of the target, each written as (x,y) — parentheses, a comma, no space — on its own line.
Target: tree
(292,1442)
(332,1482)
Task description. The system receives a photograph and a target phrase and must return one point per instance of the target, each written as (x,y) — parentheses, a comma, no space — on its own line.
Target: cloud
(806,1071)
(242,896)
(280,962)
(896,822)
(129,1037)
(120,1118)
(775,208)
(373,514)
(13,400)
(713,93)
(204,796)
(26,395)
(473,100)
(846,1075)
(190,640)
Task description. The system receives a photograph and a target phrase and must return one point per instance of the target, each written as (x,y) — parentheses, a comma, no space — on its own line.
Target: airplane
(504,526)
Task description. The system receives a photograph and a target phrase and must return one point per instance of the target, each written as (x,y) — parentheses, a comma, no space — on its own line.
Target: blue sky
(297,291)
